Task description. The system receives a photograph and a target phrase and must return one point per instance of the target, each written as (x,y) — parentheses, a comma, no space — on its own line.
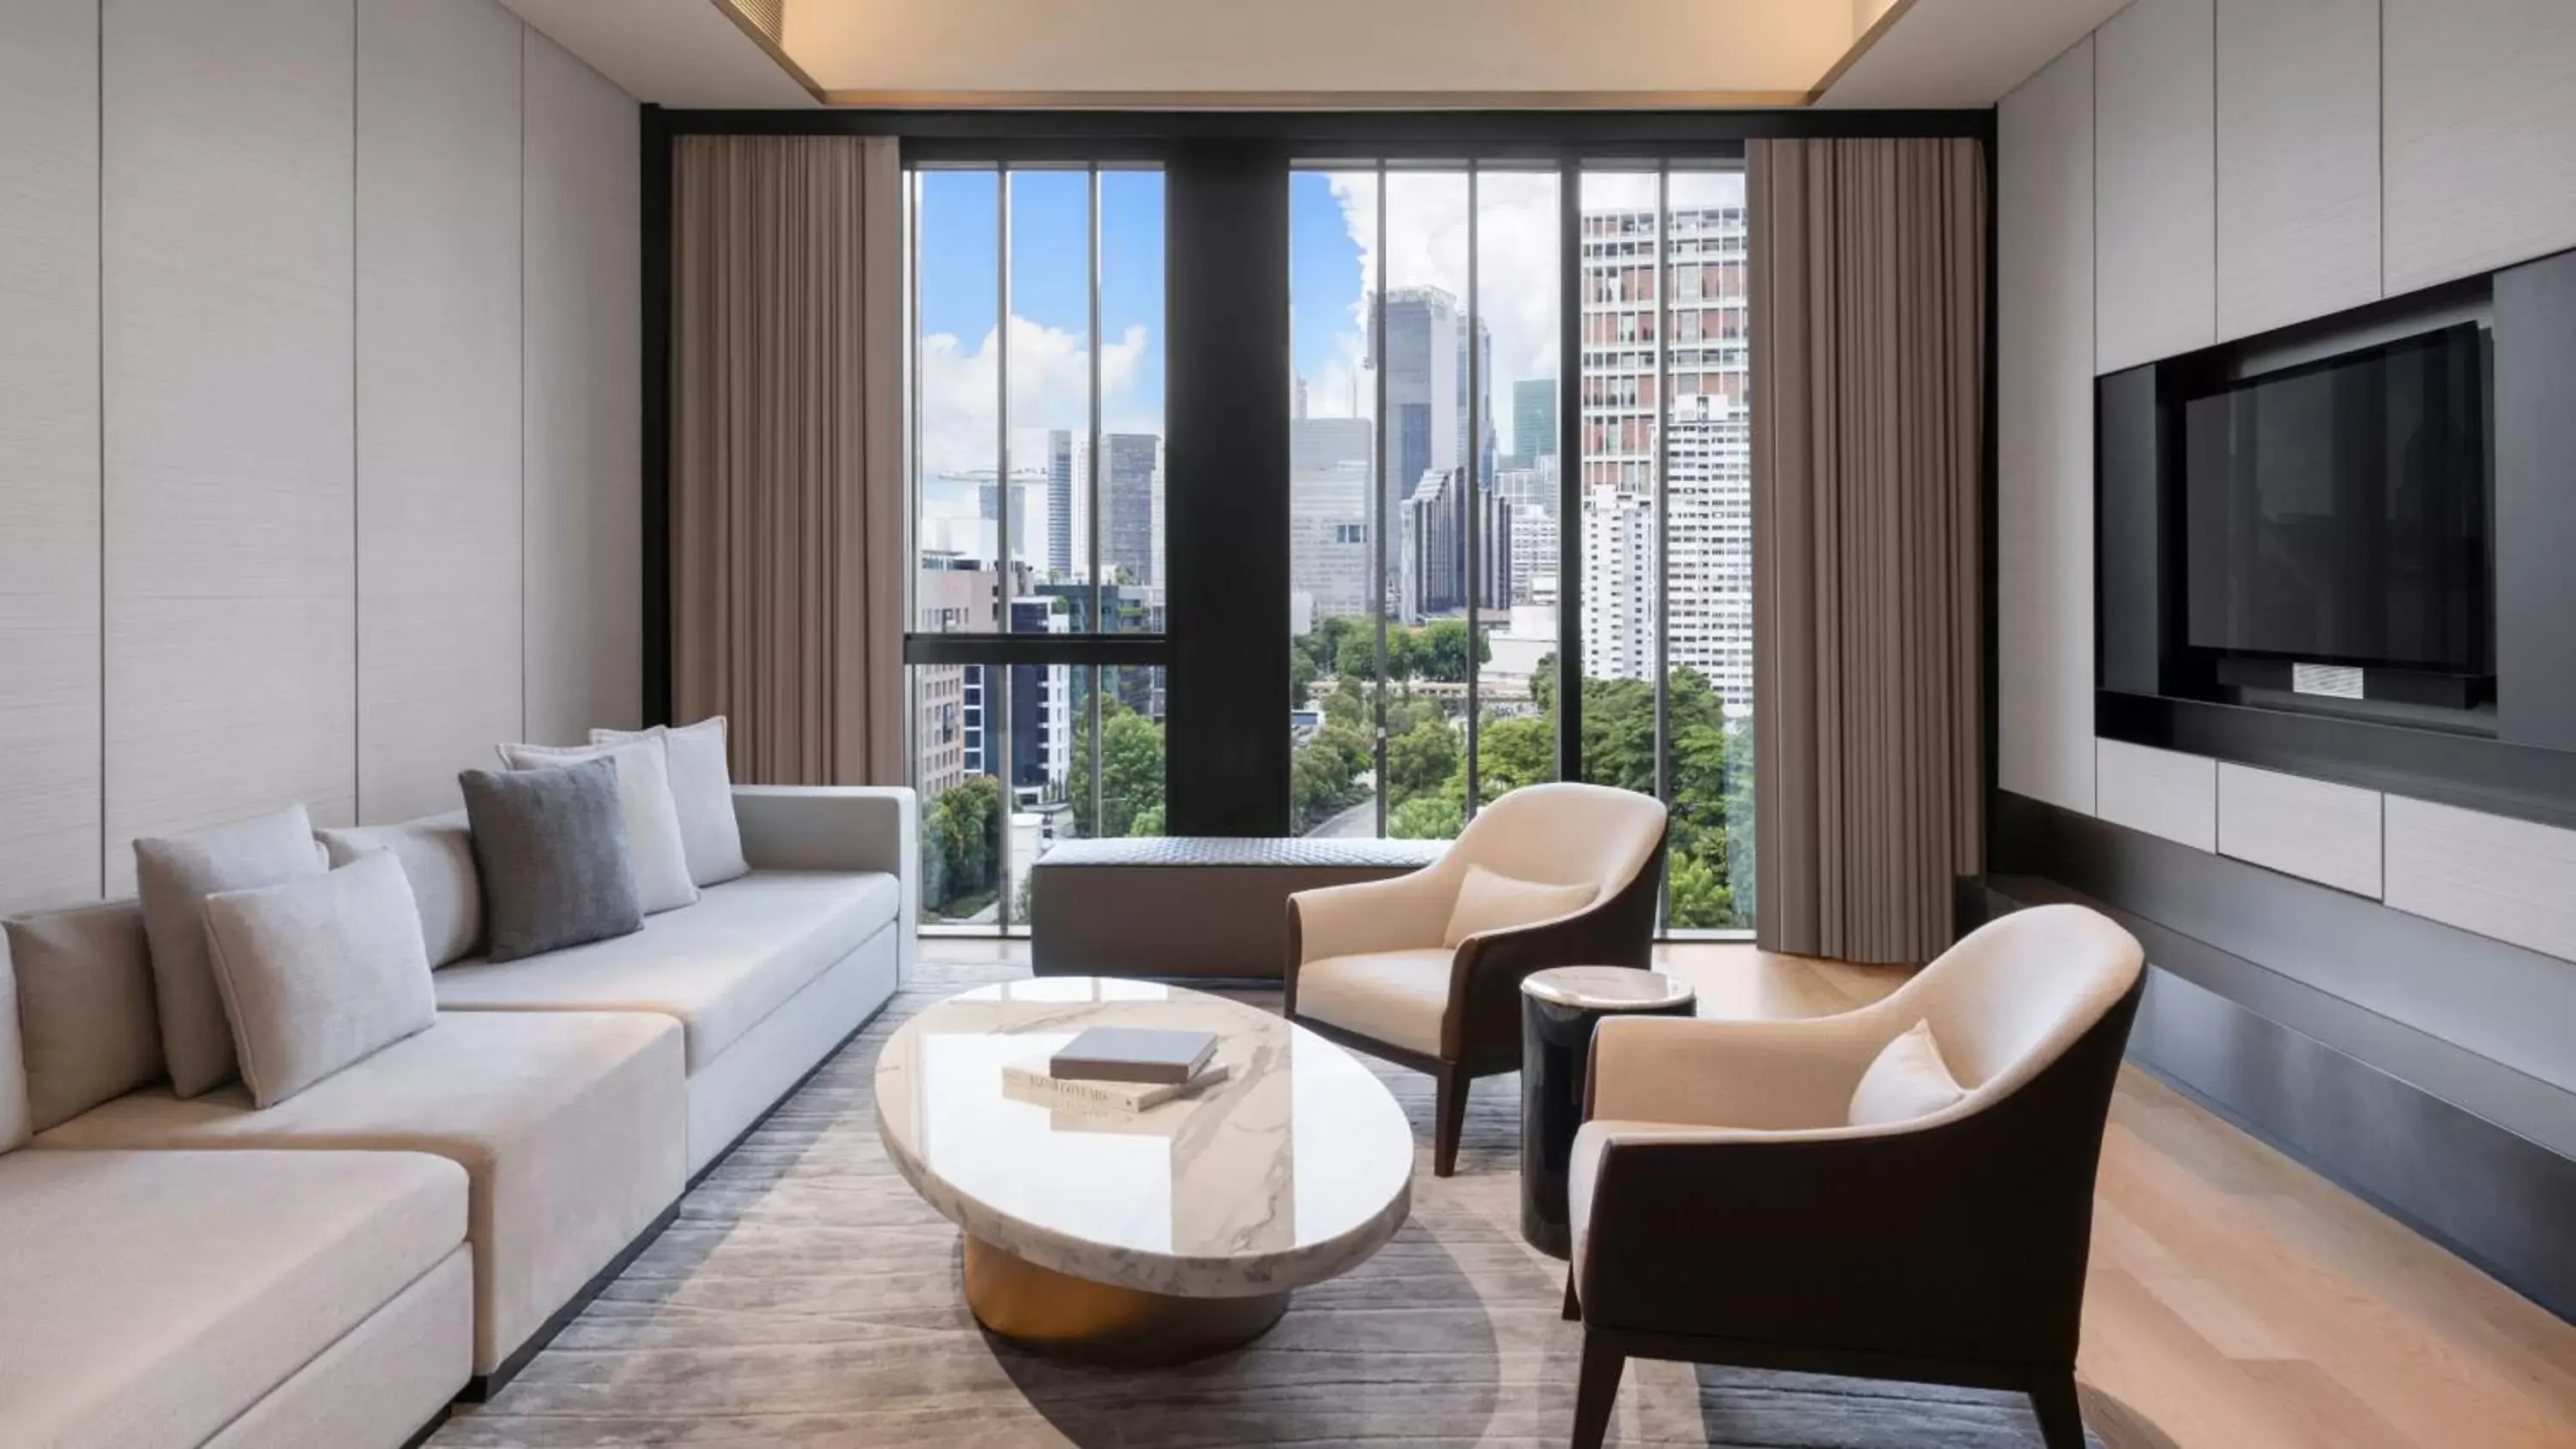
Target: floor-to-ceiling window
(1036,383)
(1447,527)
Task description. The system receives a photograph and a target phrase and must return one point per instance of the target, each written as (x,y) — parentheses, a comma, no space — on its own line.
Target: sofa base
(734,1093)
(480,1388)
(386,1371)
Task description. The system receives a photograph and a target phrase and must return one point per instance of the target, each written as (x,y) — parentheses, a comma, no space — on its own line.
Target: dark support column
(1226,488)
(2535,502)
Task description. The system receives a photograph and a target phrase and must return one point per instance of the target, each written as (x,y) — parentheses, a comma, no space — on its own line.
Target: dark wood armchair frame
(1480,1032)
(1796,1255)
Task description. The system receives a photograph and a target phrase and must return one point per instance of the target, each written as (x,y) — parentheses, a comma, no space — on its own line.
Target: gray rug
(805,1296)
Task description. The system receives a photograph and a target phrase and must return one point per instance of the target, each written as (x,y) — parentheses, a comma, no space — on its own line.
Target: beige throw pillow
(89,1029)
(319,974)
(1908,1080)
(437,855)
(174,875)
(702,788)
(654,848)
(1491,901)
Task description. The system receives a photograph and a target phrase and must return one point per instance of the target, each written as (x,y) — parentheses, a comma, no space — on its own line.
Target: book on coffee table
(1133,1054)
(1031,1085)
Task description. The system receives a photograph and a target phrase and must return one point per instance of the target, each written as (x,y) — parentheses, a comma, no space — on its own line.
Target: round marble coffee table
(1154,1237)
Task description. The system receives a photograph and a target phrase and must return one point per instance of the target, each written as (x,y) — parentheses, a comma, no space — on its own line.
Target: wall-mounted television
(2336,512)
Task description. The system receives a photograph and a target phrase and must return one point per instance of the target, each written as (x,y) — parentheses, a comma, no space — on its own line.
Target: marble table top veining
(1294,1169)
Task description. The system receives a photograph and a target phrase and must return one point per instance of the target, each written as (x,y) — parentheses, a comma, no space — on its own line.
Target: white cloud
(1050,388)
(1426,245)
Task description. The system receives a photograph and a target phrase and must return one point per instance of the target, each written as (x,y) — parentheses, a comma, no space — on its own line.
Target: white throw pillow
(437,855)
(702,787)
(1491,901)
(1908,1080)
(174,875)
(319,974)
(653,840)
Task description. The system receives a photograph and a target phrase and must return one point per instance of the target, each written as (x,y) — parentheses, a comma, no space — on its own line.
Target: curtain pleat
(1868,316)
(786,499)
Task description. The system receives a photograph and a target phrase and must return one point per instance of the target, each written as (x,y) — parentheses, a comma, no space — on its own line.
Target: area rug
(805,1296)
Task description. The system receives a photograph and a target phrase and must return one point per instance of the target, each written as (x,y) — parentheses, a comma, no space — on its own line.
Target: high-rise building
(1534,543)
(1435,547)
(1129,484)
(1068,504)
(1703,414)
(1533,421)
(1328,513)
(1618,583)
(1425,395)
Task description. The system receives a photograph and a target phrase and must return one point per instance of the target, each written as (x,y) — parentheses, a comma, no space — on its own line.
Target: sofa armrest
(838,827)
(1762,1075)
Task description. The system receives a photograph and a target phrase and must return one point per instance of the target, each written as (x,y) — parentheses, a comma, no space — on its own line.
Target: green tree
(1426,817)
(1131,772)
(1441,652)
(1511,753)
(961,830)
(1696,895)
(1420,759)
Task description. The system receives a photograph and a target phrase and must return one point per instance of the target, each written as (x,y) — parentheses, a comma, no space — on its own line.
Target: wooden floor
(2238,1300)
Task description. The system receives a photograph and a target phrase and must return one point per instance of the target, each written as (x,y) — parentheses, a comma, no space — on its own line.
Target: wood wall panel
(2155,194)
(2314,829)
(49,629)
(2160,792)
(2298,160)
(230,607)
(2481,98)
(438,334)
(2044,435)
(2511,879)
(583,461)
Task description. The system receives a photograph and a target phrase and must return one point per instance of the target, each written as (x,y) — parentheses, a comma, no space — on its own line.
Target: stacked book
(1121,1069)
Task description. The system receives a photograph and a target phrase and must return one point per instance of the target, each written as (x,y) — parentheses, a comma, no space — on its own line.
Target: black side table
(1559,1008)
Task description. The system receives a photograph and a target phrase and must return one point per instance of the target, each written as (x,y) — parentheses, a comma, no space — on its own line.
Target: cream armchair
(1367,964)
(1723,1211)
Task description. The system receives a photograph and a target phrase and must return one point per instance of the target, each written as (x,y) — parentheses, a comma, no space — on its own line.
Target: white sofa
(332,1270)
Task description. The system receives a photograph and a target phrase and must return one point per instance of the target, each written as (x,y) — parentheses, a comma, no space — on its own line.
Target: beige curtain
(786,452)
(1869,321)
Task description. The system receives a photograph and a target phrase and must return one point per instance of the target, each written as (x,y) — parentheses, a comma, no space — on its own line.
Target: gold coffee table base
(1059,1314)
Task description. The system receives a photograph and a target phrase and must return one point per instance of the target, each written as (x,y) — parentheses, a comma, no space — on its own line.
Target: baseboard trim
(436,1422)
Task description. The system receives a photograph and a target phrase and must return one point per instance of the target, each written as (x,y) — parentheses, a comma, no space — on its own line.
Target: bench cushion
(720,967)
(571,1127)
(151,1297)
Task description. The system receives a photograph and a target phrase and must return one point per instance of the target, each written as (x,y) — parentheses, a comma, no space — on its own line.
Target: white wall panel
(2156,188)
(2298,160)
(2315,829)
(583,462)
(2044,436)
(230,591)
(49,629)
(438,335)
(2511,879)
(2160,792)
(2481,98)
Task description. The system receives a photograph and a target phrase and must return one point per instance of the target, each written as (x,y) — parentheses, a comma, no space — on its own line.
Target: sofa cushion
(702,789)
(175,875)
(151,1297)
(552,855)
(571,1128)
(1396,997)
(656,849)
(719,967)
(437,855)
(319,974)
(88,1027)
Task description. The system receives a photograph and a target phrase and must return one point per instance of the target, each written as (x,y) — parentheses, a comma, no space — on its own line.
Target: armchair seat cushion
(1395,997)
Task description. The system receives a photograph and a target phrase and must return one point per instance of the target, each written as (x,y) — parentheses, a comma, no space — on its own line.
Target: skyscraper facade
(1706,423)
(1425,395)
(1128,506)
(1533,421)
(1328,513)
(1434,574)
(1068,504)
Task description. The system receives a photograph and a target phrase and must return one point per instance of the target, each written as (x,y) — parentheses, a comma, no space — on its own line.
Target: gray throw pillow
(319,974)
(437,855)
(85,1009)
(551,848)
(174,876)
